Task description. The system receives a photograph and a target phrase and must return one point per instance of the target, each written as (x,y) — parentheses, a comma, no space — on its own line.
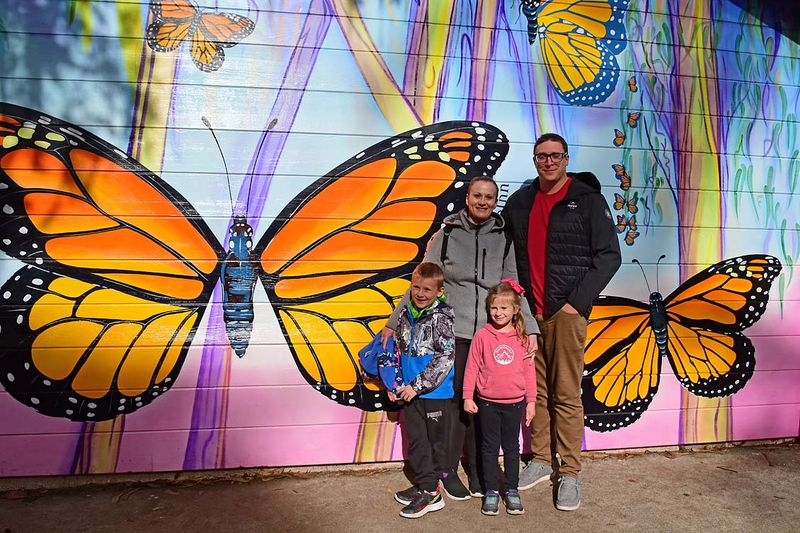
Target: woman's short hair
(487,179)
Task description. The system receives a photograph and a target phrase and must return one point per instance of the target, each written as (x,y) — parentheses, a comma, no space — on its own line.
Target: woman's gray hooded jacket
(475,260)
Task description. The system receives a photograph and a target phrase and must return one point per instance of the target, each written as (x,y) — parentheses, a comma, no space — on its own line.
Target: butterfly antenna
(643,275)
(657,281)
(227,175)
(258,156)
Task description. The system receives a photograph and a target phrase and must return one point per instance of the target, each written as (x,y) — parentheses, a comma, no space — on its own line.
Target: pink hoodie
(497,365)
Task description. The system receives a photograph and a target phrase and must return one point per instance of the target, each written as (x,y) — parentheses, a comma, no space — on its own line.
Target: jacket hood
(587,182)
(499,334)
(495,222)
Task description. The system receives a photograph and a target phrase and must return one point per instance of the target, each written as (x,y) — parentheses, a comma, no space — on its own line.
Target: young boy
(425,340)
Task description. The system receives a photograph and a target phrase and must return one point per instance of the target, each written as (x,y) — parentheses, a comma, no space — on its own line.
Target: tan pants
(559,410)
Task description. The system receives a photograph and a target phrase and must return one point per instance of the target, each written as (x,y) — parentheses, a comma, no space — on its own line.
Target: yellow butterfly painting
(579,41)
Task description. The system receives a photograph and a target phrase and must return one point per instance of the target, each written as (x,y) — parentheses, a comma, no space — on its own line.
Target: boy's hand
(530,410)
(470,406)
(385,334)
(407,393)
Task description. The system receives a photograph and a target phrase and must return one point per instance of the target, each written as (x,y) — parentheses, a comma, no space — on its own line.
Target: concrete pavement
(731,489)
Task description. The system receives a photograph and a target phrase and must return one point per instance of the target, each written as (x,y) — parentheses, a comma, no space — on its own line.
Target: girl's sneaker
(513,502)
(491,503)
(424,502)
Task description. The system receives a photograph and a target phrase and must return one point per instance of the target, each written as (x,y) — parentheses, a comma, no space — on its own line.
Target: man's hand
(407,393)
(470,406)
(530,410)
(567,308)
(385,334)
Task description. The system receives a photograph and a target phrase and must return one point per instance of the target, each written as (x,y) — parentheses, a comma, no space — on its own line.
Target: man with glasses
(567,251)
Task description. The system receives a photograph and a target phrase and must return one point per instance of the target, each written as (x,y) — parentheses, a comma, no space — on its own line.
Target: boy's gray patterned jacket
(427,350)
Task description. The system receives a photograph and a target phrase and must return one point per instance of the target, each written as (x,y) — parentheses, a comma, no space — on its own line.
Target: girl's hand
(385,334)
(470,406)
(407,393)
(530,410)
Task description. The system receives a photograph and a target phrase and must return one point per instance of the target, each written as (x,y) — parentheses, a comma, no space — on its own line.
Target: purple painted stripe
(210,397)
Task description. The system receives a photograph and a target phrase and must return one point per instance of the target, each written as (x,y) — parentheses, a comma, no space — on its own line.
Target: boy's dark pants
(464,433)
(428,431)
(500,426)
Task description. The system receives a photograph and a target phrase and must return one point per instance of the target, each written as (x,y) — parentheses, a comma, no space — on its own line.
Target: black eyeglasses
(555,157)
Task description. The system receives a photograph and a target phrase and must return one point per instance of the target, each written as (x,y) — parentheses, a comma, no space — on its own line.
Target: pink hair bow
(514,284)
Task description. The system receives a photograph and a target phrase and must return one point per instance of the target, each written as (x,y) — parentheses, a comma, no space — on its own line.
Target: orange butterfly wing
(619,137)
(215,32)
(707,351)
(335,263)
(173,22)
(119,270)
(622,364)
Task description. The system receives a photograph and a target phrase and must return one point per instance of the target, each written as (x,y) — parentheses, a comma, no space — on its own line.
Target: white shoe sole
(428,509)
(456,498)
(562,507)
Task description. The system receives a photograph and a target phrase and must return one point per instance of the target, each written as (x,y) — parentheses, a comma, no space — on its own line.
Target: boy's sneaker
(491,503)
(568,497)
(533,474)
(453,486)
(424,502)
(406,496)
(513,502)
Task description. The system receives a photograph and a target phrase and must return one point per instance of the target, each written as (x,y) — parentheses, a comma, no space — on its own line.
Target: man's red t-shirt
(537,240)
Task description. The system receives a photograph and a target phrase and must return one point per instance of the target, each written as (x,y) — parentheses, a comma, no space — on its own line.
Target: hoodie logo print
(503,354)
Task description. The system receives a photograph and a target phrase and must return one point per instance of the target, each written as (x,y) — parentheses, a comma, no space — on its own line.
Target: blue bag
(381,363)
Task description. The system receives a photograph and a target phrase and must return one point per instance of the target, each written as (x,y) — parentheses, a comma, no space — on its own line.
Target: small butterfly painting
(207,32)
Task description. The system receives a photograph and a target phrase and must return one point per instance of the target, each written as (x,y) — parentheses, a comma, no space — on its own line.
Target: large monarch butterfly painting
(119,267)
(698,329)
(579,41)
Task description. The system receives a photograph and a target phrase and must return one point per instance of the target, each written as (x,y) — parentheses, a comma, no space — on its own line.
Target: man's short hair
(432,271)
(551,137)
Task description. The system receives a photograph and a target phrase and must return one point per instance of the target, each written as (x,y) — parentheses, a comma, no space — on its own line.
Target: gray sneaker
(533,474)
(568,497)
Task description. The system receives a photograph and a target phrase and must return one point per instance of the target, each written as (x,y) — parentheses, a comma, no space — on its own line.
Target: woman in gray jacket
(475,255)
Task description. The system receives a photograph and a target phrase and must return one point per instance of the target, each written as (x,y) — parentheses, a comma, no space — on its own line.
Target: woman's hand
(533,345)
(530,410)
(392,396)
(470,406)
(385,334)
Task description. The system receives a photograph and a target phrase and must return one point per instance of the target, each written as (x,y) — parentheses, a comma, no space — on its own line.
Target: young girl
(505,378)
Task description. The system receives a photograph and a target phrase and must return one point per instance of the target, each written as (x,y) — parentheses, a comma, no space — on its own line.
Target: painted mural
(186,282)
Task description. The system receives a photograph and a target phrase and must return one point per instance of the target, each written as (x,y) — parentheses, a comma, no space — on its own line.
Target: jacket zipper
(483,265)
(477,303)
